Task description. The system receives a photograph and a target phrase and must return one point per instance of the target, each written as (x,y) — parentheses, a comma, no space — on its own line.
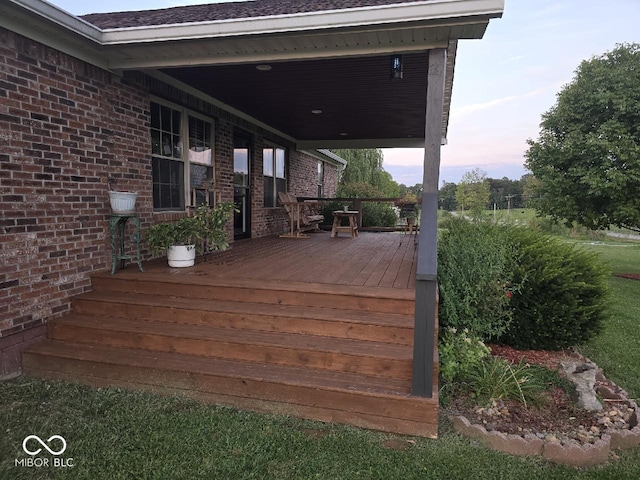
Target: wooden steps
(325,352)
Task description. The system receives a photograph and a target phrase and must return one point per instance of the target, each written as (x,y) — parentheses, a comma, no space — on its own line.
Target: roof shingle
(224,11)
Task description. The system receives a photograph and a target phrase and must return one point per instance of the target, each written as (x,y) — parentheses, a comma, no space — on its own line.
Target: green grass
(112,434)
(617,348)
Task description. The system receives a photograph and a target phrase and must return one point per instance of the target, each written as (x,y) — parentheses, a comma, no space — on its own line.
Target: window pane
(281,185)
(267,162)
(165,119)
(168,184)
(155,142)
(280,156)
(199,141)
(268,192)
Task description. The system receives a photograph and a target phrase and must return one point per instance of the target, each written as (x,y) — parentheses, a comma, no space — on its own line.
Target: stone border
(574,453)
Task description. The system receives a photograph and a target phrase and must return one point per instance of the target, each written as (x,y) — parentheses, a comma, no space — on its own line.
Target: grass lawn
(617,348)
(114,434)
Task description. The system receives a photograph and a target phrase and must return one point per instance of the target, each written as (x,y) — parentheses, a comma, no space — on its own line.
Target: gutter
(421,11)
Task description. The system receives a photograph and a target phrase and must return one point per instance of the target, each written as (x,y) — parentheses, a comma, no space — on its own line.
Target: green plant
(161,236)
(475,277)
(497,379)
(205,229)
(561,300)
(210,224)
(460,353)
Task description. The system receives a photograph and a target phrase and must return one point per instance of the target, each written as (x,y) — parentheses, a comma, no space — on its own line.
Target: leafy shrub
(374,214)
(561,299)
(475,277)
(460,353)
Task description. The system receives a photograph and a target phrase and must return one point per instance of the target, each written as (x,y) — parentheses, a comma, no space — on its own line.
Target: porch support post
(426,277)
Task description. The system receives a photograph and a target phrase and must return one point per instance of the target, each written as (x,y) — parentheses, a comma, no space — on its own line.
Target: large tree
(472,193)
(587,157)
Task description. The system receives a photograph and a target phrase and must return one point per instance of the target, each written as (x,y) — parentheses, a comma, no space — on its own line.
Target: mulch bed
(631,276)
(558,417)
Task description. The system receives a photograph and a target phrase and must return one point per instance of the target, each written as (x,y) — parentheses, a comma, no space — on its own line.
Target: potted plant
(202,232)
(178,239)
(408,206)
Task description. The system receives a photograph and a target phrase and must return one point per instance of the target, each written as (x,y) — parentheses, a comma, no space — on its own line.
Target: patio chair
(302,215)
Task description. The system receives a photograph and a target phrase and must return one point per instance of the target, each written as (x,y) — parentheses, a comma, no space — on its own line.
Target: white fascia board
(327,156)
(60,17)
(330,19)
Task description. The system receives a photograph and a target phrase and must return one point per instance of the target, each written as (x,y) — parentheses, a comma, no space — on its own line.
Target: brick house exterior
(66,127)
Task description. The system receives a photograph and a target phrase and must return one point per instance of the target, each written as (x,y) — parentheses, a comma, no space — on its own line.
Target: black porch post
(426,278)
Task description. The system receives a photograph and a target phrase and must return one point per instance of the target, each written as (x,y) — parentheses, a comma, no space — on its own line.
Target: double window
(274,172)
(180,175)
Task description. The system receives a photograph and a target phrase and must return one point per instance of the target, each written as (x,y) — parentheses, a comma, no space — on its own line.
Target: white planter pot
(123,202)
(181,255)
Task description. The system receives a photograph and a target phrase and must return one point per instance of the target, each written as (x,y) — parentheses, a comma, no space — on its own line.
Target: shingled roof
(225,11)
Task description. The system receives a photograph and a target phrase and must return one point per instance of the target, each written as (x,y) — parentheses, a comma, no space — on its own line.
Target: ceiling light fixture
(316,111)
(343,134)
(263,67)
(396,67)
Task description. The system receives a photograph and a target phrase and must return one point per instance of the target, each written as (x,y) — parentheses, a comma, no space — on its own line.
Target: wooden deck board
(371,259)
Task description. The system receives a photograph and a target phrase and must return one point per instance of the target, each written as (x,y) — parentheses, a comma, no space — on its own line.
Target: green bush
(460,353)
(374,214)
(561,299)
(475,277)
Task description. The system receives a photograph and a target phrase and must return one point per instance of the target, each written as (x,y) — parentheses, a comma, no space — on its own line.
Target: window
(176,171)
(273,170)
(320,179)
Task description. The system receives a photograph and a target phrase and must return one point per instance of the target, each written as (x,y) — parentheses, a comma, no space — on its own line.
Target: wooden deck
(385,260)
(319,328)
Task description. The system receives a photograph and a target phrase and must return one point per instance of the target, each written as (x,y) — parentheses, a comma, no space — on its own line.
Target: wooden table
(338,215)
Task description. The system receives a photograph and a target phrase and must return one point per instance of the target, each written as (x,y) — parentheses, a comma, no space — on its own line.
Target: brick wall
(66,127)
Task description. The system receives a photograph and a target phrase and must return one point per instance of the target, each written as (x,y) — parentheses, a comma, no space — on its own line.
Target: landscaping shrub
(497,379)
(475,272)
(460,353)
(561,299)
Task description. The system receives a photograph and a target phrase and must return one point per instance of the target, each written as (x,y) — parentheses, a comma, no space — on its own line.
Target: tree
(472,193)
(587,157)
(447,196)
(365,166)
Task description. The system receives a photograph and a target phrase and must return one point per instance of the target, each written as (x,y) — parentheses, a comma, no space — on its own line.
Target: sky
(503,83)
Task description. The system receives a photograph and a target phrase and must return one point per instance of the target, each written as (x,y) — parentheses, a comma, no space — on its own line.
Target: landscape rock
(583,375)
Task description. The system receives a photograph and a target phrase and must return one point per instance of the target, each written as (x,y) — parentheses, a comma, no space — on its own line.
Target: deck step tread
(201,279)
(132,326)
(289,311)
(185,363)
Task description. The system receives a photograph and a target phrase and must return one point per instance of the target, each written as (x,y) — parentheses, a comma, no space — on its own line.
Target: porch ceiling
(359,104)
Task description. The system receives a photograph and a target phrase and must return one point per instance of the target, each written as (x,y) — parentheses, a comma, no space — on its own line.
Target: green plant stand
(117,224)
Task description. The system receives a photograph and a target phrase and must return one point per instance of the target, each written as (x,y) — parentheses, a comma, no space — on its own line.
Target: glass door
(242,185)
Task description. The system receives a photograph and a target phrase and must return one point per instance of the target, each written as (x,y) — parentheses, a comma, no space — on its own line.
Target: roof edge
(405,12)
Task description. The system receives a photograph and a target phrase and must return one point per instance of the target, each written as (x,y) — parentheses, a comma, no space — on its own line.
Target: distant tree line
(476,191)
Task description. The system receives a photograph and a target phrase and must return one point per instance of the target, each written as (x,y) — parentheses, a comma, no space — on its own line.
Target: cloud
(460,112)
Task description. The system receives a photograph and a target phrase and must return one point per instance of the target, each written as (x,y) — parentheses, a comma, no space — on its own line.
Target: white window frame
(185,113)
(274,178)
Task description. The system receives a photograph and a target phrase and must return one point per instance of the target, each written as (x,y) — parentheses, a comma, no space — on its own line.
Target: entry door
(242,185)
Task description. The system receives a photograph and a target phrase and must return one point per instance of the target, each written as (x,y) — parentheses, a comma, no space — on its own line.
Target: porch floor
(384,260)
(319,328)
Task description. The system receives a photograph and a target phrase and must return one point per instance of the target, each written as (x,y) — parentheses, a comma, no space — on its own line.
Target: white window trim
(275,146)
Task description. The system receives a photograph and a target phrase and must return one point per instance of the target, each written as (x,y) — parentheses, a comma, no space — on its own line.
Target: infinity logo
(37,439)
